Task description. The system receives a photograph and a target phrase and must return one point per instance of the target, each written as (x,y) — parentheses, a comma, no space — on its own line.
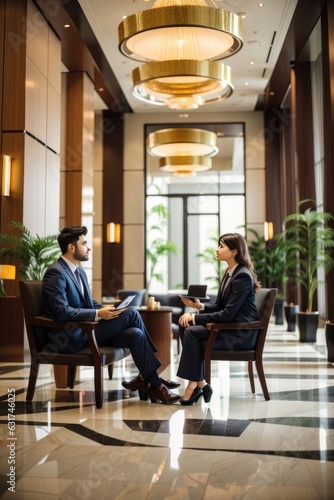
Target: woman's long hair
(235,241)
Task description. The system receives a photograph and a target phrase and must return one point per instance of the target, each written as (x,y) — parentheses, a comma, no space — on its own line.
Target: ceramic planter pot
(291,316)
(329,333)
(278,311)
(307,325)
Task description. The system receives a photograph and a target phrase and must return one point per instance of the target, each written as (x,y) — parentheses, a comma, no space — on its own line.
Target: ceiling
(264,30)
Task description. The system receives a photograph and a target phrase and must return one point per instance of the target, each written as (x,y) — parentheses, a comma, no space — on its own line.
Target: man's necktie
(77,275)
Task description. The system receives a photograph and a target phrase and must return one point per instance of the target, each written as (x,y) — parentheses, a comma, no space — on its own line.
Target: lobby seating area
(237,446)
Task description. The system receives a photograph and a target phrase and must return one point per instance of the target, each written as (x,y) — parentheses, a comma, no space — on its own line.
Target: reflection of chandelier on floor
(183,151)
(181,42)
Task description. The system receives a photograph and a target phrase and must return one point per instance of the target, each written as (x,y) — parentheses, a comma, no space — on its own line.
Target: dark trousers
(191,365)
(128,330)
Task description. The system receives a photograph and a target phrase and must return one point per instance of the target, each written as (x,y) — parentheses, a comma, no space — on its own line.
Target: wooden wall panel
(12,206)
(73,198)
(14,66)
(74,121)
(113,199)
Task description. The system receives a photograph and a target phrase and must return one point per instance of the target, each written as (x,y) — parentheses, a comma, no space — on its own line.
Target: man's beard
(79,257)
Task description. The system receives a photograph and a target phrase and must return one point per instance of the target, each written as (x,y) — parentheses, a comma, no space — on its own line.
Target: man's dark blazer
(236,305)
(64,301)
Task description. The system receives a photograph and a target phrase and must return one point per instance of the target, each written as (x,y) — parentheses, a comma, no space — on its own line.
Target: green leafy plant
(34,254)
(159,247)
(208,256)
(257,252)
(275,267)
(309,242)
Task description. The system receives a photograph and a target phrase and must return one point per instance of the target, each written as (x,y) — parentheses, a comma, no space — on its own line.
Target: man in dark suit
(67,297)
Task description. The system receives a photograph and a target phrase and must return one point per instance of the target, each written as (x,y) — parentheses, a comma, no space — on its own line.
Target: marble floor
(238,446)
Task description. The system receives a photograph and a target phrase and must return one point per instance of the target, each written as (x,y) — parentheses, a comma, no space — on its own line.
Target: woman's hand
(185,320)
(191,303)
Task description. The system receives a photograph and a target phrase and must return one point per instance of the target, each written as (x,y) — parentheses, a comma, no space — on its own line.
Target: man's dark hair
(70,235)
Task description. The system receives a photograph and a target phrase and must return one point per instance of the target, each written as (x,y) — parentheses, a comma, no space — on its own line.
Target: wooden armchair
(265,299)
(38,326)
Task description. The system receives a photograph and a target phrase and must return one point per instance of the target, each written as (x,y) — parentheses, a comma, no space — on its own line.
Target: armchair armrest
(88,326)
(250,325)
(215,327)
(51,323)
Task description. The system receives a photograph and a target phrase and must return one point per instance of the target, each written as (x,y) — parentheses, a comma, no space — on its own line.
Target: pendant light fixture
(185,84)
(182,142)
(180,29)
(181,42)
(184,166)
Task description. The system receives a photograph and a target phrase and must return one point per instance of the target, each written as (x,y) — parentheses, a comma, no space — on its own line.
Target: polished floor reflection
(238,446)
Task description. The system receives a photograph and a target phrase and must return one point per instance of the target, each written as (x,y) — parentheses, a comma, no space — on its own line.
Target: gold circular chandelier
(185,84)
(184,166)
(174,142)
(171,30)
(181,42)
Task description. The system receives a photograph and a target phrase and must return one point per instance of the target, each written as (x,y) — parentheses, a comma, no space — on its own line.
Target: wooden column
(302,132)
(328,79)
(112,257)
(79,170)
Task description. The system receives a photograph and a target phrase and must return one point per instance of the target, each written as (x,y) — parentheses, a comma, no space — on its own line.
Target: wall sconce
(113,233)
(268,231)
(5,168)
(6,273)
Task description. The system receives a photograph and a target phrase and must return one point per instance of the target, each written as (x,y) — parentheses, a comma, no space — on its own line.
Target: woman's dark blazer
(236,305)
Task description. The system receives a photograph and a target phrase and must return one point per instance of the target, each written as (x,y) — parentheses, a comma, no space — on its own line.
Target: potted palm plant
(34,254)
(208,256)
(308,241)
(31,255)
(159,247)
(258,252)
(276,273)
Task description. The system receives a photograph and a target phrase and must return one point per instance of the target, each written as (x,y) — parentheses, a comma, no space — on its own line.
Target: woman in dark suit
(235,302)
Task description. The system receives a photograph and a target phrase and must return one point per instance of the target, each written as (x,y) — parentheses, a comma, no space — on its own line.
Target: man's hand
(109,312)
(185,320)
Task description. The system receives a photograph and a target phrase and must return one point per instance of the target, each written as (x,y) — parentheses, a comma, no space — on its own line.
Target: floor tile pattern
(238,446)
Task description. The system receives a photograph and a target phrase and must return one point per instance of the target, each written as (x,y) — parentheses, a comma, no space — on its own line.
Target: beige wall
(42,123)
(134,185)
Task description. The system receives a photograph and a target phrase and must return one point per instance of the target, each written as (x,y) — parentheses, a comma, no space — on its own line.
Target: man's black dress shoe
(169,383)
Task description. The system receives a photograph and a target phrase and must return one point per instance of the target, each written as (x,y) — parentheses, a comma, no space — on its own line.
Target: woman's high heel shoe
(207,393)
(196,394)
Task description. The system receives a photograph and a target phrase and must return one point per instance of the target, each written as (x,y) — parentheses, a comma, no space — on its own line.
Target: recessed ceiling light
(66,25)
(243,15)
(246,83)
(251,62)
(260,4)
